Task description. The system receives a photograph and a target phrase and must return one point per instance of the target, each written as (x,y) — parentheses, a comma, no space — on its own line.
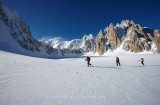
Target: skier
(118,61)
(88,60)
(142,61)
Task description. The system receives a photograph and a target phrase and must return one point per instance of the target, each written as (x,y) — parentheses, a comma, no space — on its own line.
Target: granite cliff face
(113,38)
(137,40)
(100,41)
(128,36)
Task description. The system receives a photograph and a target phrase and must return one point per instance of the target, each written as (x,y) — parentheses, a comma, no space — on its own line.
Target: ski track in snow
(37,81)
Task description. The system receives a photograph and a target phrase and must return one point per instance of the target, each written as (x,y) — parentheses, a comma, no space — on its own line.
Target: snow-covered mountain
(15,35)
(84,45)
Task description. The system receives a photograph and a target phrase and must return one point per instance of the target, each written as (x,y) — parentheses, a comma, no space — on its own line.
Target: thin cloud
(47,38)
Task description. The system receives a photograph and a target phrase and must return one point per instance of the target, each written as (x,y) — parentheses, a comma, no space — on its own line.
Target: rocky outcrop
(128,35)
(100,41)
(136,39)
(157,40)
(113,38)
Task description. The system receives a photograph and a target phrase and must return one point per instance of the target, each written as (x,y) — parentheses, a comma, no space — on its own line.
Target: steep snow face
(35,81)
(16,36)
(16,28)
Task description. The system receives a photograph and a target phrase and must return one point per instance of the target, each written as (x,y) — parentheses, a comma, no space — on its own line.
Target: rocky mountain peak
(111,25)
(87,37)
(101,34)
(113,37)
(100,41)
(136,39)
(133,37)
(125,24)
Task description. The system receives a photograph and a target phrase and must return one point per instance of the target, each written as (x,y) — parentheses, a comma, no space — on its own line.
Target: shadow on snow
(109,67)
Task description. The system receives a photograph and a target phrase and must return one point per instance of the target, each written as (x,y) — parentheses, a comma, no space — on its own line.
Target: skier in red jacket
(88,60)
(118,61)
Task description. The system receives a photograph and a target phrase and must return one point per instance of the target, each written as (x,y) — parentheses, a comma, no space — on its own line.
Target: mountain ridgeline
(75,46)
(127,36)
(15,36)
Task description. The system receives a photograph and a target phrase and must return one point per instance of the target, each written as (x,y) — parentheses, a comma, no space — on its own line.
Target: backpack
(88,58)
(142,59)
(117,59)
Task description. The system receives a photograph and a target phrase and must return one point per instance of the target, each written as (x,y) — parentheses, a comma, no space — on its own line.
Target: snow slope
(35,81)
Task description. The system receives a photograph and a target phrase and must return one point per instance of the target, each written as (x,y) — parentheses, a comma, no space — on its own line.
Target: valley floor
(36,81)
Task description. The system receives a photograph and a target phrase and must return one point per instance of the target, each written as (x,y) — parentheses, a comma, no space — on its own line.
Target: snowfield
(37,81)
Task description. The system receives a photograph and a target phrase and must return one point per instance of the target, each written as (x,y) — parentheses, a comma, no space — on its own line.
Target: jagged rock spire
(133,37)
(100,41)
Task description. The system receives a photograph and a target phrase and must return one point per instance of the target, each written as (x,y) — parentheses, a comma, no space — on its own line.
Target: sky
(72,19)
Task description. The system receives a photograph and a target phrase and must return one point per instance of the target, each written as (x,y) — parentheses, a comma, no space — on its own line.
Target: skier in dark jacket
(88,60)
(118,61)
(142,61)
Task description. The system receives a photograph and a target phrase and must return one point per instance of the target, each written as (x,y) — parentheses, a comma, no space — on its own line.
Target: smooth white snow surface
(35,81)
